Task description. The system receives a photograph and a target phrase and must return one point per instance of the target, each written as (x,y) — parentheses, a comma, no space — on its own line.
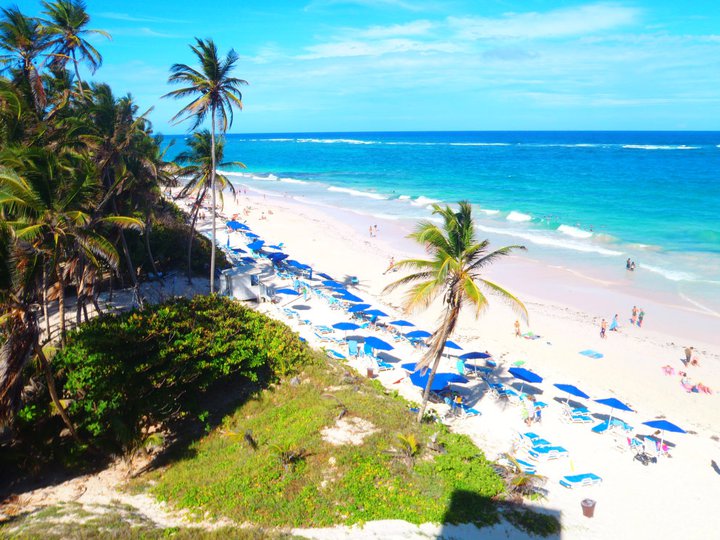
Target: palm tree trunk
(126,251)
(46,315)
(61,304)
(50,380)
(448,324)
(77,75)
(212,187)
(196,210)
(146,232)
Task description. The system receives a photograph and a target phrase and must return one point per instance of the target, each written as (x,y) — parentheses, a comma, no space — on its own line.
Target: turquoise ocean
(584,199)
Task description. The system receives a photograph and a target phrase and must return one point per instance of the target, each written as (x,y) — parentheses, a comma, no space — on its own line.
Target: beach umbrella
(349,297)
(401,323)
(358,307)
(409,366)
(440,382)
(256,245)
(275,247)
(375,313)
(277,257)
(664,426)
(378,344)
(252,235)
(473,355)
(525,375)
(613,404)
(572,391)
(333,284)
(418,334)
(238,250)
(237,226)
(291,292)
(344,325)
(325,276)
(452,345)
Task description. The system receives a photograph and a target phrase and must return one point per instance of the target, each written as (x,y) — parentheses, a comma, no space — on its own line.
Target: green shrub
(125,373)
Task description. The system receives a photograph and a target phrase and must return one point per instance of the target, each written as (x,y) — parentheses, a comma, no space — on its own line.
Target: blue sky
(376,65)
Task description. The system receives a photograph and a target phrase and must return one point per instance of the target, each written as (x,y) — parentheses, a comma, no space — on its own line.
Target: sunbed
(545,453)
(580,480)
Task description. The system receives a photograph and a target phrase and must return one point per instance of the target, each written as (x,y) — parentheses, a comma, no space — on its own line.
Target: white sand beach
(674,498)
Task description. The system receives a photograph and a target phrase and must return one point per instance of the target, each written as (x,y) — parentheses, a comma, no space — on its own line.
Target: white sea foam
(404,198)
(672,275)
(659,147)
(489,212)
(479,144)
(336,141)
(544,239)
(357,193)
(293,181)
(518,216)
(697,304)
(424,201)
(574,231)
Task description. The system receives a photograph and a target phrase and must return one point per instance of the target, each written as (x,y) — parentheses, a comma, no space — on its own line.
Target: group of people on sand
(630,265)
(373,231)
(638,315)
(690,360)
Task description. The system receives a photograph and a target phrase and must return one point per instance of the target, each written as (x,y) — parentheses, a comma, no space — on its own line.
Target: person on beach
(375,230)
(371,231)
(390,266)
(517,328)
(688,355)
(603,328)
(628,263)
(614,324)
(632,266)
(634,315)
(641,316)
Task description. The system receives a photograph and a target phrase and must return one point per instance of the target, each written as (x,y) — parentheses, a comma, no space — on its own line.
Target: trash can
(370,373)
(588,507)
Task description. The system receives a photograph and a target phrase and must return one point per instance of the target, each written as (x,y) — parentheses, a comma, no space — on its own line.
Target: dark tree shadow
(471,515)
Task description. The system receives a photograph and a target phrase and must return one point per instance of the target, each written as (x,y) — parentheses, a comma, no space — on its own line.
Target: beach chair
(546,453)
(576,416)
(524,466)
(580,480)
(353,348)
(384,366)
(335,355)
(601,428)
(368,350)
(468,411)
(532,440)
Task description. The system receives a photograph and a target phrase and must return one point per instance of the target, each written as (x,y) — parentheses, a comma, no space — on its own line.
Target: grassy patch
(331,484)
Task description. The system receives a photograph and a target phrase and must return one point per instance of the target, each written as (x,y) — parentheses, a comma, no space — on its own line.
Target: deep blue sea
(592,197)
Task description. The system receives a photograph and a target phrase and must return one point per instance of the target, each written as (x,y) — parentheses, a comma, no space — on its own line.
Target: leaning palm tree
(66,28)
(214,92)
(453,271)
(22,40)
(199,174)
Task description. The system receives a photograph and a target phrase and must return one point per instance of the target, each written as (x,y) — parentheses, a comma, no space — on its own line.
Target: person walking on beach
(603,328)
(390,266)
(641,316)
(371,231)
(634,315)
(688,355)
(614,324)
(517,328)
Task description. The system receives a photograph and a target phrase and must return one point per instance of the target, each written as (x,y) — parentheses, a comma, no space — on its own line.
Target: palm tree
(22,39)
(214,92)
(65,29)
(454,272)
(199,174)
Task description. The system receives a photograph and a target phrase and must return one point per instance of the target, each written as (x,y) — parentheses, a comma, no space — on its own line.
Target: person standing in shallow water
(634,315)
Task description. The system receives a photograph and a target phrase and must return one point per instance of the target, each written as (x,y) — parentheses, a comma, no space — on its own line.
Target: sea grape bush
(125,373)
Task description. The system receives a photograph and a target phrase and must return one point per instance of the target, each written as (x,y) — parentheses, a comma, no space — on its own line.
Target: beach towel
(530,335)
(591,354)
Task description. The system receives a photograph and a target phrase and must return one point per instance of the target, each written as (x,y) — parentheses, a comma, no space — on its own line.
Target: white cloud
(566,22)
(351,48)
(411,5)
(415,28)
(132,18)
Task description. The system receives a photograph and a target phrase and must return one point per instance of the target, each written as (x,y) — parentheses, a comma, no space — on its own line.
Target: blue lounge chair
(601,428)
(531,440)
(526,467)
(353,348)
(384,366)
(336,355)
(580,480)
(545,453)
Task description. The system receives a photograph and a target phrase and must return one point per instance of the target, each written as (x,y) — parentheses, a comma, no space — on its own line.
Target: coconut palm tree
(453,270)
(22,41)
(65,29)
(199,174)
(214,93)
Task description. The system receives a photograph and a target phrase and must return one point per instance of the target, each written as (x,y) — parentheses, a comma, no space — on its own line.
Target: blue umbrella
(378,344)
(572,390)
(525,375)
(237,226)
(252,235)
(358,307)
(410,366)
(664,425)
(452,345)
(440,382)
(473,355)
(325,276)
(350,297)
(613,404)
(334,284)
(345,326)
(238,250)
(277,257)
(287,291)
(402,323)
(256,245)
(418,334)
(375,313)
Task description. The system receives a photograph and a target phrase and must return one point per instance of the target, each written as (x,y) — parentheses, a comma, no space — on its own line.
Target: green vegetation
(330,484)
(127,376)
(453,272)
